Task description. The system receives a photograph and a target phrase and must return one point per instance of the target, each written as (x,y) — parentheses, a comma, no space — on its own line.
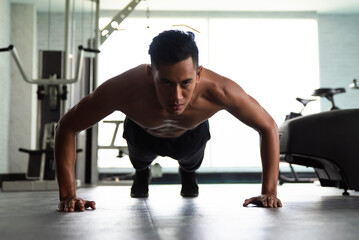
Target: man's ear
(149,73)
(199,72)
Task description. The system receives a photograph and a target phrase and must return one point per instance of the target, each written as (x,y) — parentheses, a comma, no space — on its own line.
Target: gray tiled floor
(309,212)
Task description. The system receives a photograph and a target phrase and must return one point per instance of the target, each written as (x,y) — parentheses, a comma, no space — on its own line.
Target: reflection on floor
(309,212)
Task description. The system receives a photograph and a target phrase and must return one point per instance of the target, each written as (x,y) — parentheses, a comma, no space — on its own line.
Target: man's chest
(157,121)
(163,125)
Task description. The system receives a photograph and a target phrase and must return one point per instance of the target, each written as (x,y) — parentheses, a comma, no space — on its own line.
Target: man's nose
(178,92)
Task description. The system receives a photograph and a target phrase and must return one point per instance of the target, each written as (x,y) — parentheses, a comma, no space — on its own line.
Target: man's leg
(187,173)
(141,161)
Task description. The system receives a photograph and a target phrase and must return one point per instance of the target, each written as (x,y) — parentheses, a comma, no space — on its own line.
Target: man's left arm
(249,111)
(269,148)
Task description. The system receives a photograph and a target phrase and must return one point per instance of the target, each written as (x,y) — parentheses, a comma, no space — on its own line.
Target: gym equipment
(121,149)
(354,84)
(295,178)
(321,92)
(52,91)
(57,71)
(329,94)
(325,141)
(302,101)
(51,95)
(117,20)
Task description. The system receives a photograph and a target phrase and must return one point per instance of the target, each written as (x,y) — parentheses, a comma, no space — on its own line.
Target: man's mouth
(176,107)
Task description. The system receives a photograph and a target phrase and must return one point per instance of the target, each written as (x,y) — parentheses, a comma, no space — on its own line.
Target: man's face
(175,85)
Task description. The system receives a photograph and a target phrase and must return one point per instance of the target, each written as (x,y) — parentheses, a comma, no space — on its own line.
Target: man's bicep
(247,109)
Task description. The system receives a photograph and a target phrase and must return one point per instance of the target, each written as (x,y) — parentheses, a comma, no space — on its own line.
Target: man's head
(174,70)
(173,46)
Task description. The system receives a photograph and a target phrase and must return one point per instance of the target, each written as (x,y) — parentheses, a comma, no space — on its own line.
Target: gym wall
(339,56)
(22,119)
(4,84)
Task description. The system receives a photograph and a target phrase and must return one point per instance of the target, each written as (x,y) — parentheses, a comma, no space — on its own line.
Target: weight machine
(325,141)
(52,95)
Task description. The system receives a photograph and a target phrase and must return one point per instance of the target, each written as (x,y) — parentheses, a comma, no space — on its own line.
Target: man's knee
(140,159)
(194,162)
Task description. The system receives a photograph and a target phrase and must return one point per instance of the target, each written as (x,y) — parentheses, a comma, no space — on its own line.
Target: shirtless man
(167,105)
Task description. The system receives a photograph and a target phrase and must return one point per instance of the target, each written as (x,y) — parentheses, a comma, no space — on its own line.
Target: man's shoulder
(218,89)
(138,72)
(126,86)
(212,82)
(132,77)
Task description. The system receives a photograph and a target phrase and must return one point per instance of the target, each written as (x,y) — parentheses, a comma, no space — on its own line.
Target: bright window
(274,60)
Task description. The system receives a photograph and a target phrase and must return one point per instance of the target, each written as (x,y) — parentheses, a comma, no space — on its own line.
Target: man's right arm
(115,94)
(86,113)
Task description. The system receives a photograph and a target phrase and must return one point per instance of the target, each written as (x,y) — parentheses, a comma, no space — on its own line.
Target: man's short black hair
(173,46)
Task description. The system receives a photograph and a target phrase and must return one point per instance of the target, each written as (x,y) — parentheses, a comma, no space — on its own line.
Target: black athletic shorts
(188,149)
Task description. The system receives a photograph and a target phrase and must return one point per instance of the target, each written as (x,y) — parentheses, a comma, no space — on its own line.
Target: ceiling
(321,6)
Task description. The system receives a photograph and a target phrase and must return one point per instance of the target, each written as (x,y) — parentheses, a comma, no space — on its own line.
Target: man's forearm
(65,156)
(270,161)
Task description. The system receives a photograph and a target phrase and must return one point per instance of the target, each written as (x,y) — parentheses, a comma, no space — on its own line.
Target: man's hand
(264,200)
(75,204)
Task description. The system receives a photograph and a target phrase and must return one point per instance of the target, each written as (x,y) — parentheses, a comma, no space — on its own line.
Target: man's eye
(186,83)
(166,83)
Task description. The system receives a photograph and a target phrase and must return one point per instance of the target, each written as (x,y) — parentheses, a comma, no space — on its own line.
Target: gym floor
(309,212)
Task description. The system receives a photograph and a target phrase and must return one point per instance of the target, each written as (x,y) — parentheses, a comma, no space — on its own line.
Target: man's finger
(66,207)
(61,206)
(80,204)
(279,203)
(258,201)
(247,202)
(264,202)
(90,204)
(275,204)
(71,205)
(270,201)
